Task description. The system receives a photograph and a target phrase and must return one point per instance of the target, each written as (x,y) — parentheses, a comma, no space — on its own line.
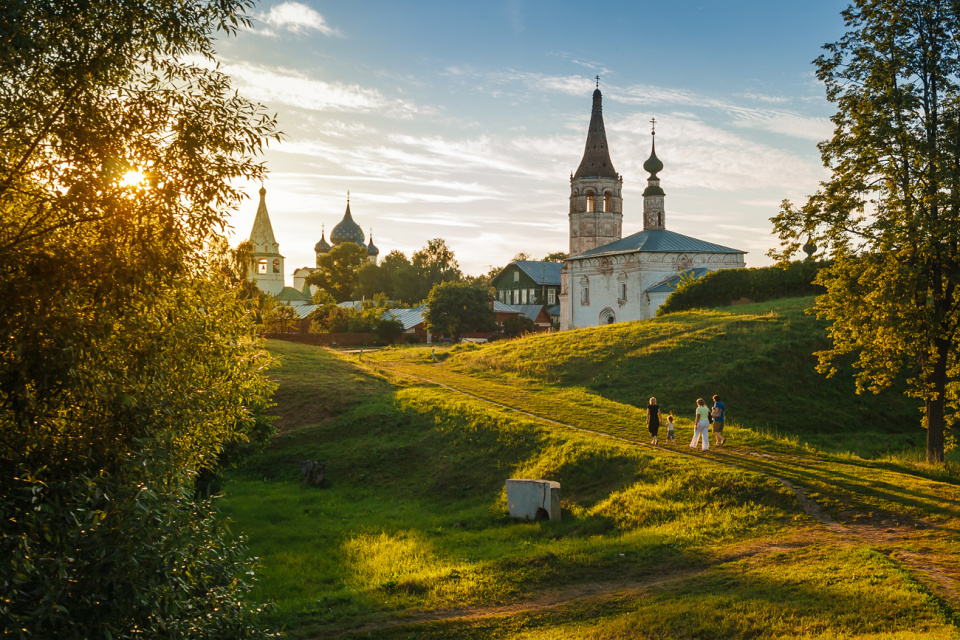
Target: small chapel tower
(266,263)
(596,211)
(653,208)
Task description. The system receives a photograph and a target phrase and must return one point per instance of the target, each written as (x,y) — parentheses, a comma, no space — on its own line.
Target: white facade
(266,263)
(607,288)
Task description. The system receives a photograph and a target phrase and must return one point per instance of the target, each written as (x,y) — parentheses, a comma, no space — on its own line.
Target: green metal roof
(658,241)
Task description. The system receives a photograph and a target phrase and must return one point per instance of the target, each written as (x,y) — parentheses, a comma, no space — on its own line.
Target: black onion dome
(653,165)
(347,230)
(596,161)
(322,246)
(372,248)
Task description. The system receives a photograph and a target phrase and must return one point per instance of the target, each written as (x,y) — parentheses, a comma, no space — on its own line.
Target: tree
(129,358)
(281,319)
(523,255)
(457,307)
(556,256)
(890,213)
(435,263)
(337,269)
(518,325)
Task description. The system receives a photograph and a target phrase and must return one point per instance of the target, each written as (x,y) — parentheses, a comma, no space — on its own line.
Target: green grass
(411,521)
(757,357)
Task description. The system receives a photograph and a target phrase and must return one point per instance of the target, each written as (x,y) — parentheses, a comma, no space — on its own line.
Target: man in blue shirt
(718,414)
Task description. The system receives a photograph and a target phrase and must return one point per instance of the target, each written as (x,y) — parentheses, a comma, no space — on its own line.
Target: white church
(608,278)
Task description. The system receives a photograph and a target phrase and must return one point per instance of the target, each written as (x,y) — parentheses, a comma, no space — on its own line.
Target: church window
(607,316)
(262,266)
(607,202)
(276,266)
(590,203)
(584,291)
(623,290)
(551,296)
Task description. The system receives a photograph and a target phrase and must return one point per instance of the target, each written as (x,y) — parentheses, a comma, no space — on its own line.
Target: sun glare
(132,178)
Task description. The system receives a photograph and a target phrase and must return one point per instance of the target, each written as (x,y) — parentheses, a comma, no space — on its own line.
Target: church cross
(598,82)
(653,126)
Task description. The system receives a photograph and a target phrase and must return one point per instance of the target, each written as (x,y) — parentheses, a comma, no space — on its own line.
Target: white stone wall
(604,277)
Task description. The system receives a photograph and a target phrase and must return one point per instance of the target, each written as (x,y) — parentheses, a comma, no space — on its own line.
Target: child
(670,439)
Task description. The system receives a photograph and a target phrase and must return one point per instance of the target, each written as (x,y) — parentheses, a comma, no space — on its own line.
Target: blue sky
(464,120)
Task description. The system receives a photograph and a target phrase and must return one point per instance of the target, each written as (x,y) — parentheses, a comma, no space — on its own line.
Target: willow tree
(127,360)
(890,213)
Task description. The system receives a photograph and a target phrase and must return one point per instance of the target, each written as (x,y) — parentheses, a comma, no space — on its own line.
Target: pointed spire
(347,230)
(596,156)
(262,233)
(653,165)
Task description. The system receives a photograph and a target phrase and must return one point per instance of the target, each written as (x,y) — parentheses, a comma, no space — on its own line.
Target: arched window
(262,266)
(607,316)
(584,290)
(276,266)
(590,203)
(607,202)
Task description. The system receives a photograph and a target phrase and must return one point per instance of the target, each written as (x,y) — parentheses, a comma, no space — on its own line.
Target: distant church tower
(266,263)
(596,207)
(653,209)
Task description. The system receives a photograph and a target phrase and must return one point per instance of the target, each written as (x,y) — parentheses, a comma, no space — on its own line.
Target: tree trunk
(934,403)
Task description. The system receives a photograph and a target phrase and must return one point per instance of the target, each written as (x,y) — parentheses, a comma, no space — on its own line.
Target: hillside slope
(758,358)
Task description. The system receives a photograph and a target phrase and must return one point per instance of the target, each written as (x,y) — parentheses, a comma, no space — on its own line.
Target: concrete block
(533,499)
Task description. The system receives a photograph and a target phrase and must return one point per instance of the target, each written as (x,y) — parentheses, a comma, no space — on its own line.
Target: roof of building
(347,230)
(322,246)
(289,294)
(596,155)
(531,311)
(546,273)
(501,307)
(659,241)
(303,310)
(409,318)
(553,311)
(670,284)
(371,248)
(261,235)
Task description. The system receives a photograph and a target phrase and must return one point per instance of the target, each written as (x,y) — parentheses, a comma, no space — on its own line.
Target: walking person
(670,439)
(653,419)
(701,429)
(718,414)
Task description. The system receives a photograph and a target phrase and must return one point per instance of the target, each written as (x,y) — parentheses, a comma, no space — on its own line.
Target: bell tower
(653,208)
(266,263)
(596,205)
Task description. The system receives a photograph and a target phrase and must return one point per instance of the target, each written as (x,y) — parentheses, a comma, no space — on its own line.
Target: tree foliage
(890,213)
(337,269)
(129,360)
(454,308)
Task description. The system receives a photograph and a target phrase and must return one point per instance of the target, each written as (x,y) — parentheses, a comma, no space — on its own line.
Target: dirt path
(926,568)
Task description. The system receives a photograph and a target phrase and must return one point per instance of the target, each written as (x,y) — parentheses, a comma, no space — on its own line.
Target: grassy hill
(758,358)
(409,538)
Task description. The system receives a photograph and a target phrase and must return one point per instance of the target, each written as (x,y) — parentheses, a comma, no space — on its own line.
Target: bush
(724,287)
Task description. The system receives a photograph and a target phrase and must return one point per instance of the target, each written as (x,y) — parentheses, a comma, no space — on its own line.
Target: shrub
(724,287)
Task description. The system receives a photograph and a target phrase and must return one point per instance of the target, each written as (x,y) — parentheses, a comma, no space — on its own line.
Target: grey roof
(529,310)
(303,310)
(545,273)
(670,284)
(660,241)
(501,307)
(409,318)
(553,311)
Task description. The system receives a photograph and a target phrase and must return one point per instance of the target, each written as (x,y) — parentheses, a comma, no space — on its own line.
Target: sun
(132,178)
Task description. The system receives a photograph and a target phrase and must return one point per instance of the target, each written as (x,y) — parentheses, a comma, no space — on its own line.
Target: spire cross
(348,196)
(598,82)
(653,126)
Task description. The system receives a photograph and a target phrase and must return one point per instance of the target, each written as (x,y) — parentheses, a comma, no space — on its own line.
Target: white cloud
(289,87)
(297,18)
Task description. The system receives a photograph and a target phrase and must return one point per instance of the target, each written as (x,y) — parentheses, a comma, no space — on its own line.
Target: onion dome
(371,248)
(653,165)
(347,230)
(809,248)
(596,161)
(322,246)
